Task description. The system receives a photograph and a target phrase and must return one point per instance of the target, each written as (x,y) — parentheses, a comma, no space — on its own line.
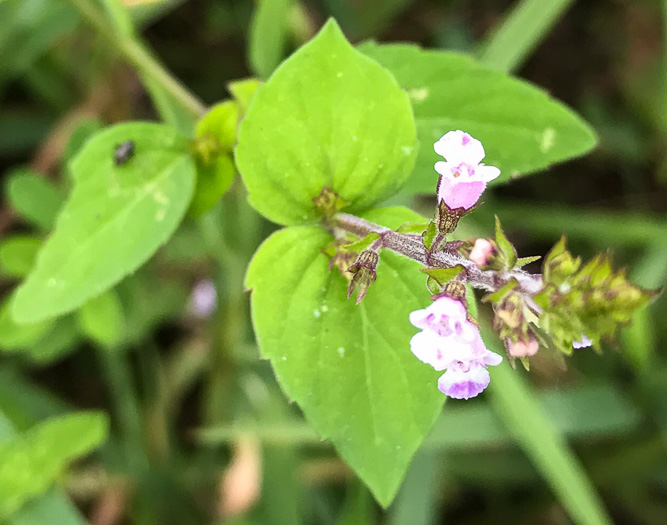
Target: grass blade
(517,406)
(520,33)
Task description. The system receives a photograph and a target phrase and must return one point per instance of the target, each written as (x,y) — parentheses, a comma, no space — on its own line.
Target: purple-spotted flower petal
(460,148)
(463,177)
(446,317)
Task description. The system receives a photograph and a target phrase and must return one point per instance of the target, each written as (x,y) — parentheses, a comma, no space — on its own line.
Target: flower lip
(461,384)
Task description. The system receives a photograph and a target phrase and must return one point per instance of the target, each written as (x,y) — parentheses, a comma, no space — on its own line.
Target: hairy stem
(411,246)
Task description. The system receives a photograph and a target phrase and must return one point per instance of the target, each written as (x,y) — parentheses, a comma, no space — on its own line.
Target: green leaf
(328,117)
(62,339)
(216,135)
(52,506)
(17,254)
(268,35)
(34,198)
(15,336)
(114,220)
(213,181)
(362,244)
(523,261)
(349,367)
(415,228)
(243,91)
(102,319)
(85,130)
(429,235)
(42,342)
(443,275)
(220,122)
(30,462)
(523,130)
(500,294)
(28,30)
(506,252)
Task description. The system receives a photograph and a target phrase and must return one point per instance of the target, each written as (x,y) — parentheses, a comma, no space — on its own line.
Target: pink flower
(481,251)
(523,349)
(449,341)
(463,177)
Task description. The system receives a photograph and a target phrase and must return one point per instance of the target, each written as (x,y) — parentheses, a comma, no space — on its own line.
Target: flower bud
(522,348)
(481,252)
(364,273)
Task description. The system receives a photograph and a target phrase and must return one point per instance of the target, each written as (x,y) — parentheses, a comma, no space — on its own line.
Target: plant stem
(123,395)
(137,55)
(412,246)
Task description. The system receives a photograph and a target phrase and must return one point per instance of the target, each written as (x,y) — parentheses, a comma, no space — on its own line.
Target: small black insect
(123,153)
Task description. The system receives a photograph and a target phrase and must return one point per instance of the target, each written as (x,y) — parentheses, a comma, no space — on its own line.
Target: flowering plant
(332,133)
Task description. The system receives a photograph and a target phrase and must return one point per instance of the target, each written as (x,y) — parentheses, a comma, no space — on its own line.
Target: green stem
(231,258)
(137,55)
(122,391)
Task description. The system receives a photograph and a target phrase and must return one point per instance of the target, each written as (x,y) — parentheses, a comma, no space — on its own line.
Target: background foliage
(199,431)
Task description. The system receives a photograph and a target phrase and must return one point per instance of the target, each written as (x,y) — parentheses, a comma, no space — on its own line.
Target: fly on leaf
(123,153)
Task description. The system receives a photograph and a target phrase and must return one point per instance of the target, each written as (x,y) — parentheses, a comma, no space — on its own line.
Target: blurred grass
(583,412)
(542,442)
(520,32)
